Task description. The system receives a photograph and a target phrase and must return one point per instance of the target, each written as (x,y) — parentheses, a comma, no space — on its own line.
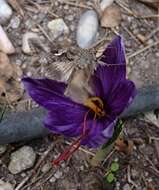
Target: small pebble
(150,41)
(126,187)
(46,167)
(58,27)
(52,180)
(70,18)
(146,174)
(58,174)
(81,168)
(116,159)
(63,165)
(23,174)
(15,22)
(22,159)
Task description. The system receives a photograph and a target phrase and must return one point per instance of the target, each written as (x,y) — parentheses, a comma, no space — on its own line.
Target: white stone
(22,159)
(58,174)
(15,22)
(52,180)
(87,29)
(58,27)
(6,45)
(105,3)
(5,12)
(5,185)
(126,187)
(46,167)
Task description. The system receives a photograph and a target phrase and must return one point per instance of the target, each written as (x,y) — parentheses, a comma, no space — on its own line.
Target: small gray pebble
(126,187)
(15,22)
(52,180)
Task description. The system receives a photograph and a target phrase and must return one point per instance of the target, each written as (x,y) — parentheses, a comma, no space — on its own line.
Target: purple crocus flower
(94,121)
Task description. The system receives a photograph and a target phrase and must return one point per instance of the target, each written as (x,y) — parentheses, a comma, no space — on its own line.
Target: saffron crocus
(94,121)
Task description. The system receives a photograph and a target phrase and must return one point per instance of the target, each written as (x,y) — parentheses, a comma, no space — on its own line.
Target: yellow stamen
(92,104)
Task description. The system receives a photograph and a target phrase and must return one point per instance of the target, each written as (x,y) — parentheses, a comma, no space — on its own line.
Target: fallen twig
(76,4)
(143,49)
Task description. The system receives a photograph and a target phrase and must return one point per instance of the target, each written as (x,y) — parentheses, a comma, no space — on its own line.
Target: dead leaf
(152,3)
(125,146)
(151,118)
(10,87)
(16,6)
(151,186)
(6,70)
(100,51)
(111,17)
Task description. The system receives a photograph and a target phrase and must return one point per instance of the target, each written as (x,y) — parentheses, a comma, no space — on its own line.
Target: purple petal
(45,83)
(114,53)
(48,93)
(100,132)
(66,121)
(121,96)
(112,70)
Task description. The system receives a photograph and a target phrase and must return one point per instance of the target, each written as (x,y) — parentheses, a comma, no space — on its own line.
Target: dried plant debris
(111,17)
(17,6)
(152,118)
(125,146)
(152,3)
(151,186)
(10,88)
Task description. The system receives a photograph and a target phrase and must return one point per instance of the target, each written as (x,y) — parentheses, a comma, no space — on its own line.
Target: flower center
(96,104)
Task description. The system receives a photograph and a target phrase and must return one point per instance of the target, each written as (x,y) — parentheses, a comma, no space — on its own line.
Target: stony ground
(139,166)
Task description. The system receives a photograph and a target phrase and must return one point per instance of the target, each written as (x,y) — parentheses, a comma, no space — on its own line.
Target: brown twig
(125,8)
(76,5)
(152,33)
(131,34)
(143,49)
(148,17)
(44,32)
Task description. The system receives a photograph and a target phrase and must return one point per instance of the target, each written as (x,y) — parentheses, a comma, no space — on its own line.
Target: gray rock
(58,174)
(87,29)
(58,27)
(52,180)
(126,187)
(15,22)
(3,148)
(5,185)
(46,167)
(22,159)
